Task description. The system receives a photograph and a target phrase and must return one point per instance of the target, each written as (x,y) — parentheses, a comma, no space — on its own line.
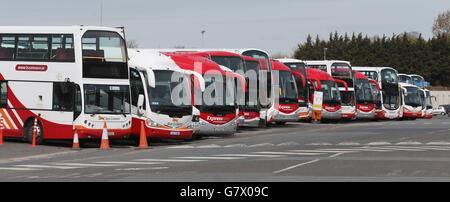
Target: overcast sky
(274,25)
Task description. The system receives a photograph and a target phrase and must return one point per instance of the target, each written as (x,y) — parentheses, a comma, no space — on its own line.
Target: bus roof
(359,68)
(325,62)
(188,62)
(151,59)
(276,65)
(318,74)
(56,29)
(290,60)
(246,58)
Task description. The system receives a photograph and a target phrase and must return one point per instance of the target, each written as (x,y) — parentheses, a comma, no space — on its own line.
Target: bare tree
(442,24)
(132,44)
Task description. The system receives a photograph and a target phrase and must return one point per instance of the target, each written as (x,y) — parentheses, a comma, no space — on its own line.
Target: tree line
(406,53)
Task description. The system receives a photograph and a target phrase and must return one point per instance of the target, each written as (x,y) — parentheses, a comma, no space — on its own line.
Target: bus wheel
(280,123)
(29,130)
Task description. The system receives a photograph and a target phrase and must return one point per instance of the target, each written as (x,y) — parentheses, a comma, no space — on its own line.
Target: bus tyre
(28,133)
(263,123)
(280,123)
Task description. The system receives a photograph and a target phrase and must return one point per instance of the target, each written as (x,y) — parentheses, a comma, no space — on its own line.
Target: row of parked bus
(83,78)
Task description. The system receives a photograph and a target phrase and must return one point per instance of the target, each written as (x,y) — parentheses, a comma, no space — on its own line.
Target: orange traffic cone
(105,143)
(33,144)
(76,144)
(143,140)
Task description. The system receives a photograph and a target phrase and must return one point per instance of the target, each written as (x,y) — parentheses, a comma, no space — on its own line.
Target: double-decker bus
(285,107)
(391,100)
(365,102)
(217,106)
(412,101)
(340,70)
(331,101)
(166,107)
(302,89)
(66,77)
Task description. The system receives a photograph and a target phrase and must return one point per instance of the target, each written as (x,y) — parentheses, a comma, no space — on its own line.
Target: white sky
(274,25)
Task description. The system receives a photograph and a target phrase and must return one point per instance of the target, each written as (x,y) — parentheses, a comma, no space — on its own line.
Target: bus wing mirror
(151,78)
(343,82)
(140,104)
(301,76)
(376,83)
(199,83)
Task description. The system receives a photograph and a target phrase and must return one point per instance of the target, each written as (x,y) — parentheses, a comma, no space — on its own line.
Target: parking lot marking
(210,157)
(295,166)
(138,169)
(251,155)
(288,153)
(129,162)
(171,160)
(12,168)
(84,164)
(48,166)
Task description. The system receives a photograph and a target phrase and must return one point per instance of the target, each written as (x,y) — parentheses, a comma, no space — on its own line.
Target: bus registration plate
(174,133)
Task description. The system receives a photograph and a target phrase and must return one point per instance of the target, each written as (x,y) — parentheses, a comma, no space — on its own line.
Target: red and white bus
(341,70)
(302,89)
(263,101)
(218,109)
(365,102)
(166,107)
(412,101)
(233,65)
(68,77)
(429,105)
(390,101)
(331,101)
(251,108)
(284,97)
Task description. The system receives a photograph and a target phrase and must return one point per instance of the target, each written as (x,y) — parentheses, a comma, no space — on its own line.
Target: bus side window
(62,48)
(63,96)
(7,46)
(32,47)
(78,103)
(3,94)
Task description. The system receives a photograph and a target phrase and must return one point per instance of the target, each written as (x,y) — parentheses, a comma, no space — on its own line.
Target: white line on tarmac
(409,143)
(379,143)
(181,147)
(129,162)
(209,146)
(251,155)
(368,149)
(171,160)
(295,166)
(209,157)
(288,153)
(83,164)
(48,166)
(261,145)
(235,145)
(24,169)
(138,169)
(397,148)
